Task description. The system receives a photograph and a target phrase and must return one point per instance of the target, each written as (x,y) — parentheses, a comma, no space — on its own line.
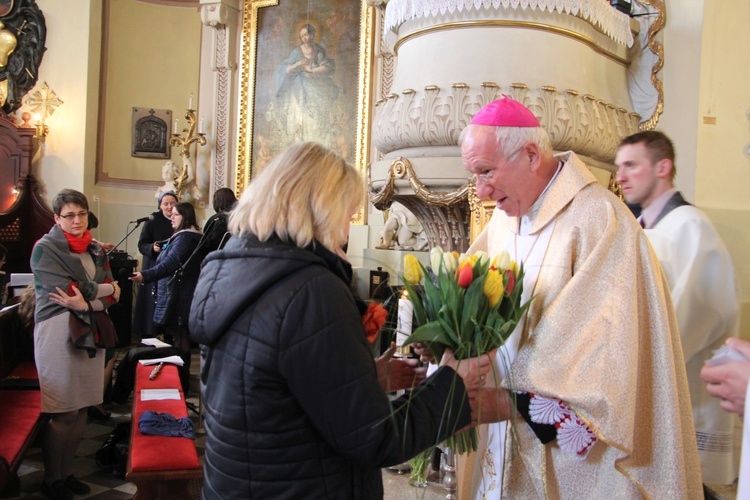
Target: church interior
(125,99)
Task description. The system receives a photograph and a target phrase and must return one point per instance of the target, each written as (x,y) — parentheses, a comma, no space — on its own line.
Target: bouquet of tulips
(470,304)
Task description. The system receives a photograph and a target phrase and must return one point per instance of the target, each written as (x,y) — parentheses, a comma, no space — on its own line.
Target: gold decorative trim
(248,62)
(516,24)
(402,168)
(658,50)
(247,90)
(614,186)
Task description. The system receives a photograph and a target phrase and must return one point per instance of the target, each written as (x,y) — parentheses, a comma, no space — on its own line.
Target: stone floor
(105,486)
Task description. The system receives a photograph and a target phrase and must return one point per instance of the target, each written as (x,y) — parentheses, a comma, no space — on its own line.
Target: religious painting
(150,133)
(305,69)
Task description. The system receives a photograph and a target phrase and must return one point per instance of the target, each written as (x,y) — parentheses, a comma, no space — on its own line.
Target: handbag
(98,333)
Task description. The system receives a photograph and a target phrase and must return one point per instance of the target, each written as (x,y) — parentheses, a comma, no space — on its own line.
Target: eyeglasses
(484,178)
(80,215)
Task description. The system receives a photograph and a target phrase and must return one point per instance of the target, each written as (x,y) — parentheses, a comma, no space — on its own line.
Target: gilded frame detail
(264,115)
(657,48)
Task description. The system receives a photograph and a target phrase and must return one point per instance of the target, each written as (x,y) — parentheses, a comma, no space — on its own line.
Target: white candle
(202,128)
(190,102)
(174,128)
(405,311)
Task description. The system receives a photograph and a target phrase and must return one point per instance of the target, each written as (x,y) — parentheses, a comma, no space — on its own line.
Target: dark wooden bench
(20,399)
(159,466)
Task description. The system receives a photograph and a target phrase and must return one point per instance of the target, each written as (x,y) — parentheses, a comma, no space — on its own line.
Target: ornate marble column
(218,84)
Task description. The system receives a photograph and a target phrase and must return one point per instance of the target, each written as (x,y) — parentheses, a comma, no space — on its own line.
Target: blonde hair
(306,192)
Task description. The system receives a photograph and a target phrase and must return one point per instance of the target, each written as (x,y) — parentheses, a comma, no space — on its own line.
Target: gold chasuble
(601,336)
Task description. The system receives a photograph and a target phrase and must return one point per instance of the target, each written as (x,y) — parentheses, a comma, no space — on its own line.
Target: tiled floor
(105,486)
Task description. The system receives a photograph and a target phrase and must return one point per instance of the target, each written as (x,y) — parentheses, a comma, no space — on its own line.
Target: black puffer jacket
(292,402)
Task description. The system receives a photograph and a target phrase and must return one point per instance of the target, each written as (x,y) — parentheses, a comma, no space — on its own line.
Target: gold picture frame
(305,76)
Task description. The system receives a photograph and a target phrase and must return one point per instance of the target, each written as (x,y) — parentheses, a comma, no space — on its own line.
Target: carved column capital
(215,13)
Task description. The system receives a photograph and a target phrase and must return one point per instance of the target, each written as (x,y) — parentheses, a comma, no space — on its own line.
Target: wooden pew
(160,466)
(20,400)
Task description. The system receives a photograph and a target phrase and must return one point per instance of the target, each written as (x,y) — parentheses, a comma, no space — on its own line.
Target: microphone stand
(123,238)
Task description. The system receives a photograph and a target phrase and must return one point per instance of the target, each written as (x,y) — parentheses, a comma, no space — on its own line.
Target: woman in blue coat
(177,271)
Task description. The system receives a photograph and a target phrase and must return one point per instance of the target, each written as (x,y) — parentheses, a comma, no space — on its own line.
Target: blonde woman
(292,401)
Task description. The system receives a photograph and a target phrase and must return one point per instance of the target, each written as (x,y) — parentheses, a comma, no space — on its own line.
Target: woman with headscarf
(71,277)
(154,232)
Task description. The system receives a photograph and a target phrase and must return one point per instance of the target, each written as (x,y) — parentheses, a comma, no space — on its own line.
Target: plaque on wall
(150,133)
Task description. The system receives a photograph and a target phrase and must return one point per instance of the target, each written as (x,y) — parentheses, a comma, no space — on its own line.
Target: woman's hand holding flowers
(421,350)
(400,373)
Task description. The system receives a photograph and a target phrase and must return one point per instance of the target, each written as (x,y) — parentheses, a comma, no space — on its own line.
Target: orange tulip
(465,274)
(511,285)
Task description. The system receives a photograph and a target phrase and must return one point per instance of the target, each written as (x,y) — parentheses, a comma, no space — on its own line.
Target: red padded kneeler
(157,453)
(25,370)
(20,412)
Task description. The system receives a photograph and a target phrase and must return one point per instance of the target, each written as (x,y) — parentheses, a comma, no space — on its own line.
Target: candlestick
(185,141)
(405,312)
(174,129)
(190,101)
(202,129)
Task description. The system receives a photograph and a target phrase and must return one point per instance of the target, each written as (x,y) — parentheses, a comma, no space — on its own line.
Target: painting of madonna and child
(306,77)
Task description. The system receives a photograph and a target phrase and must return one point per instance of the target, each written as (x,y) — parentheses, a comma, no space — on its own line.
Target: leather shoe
(76,486)
(57,490)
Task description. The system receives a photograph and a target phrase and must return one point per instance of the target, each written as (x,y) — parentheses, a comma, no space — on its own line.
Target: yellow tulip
(493,286)
(412,269)
(471,259)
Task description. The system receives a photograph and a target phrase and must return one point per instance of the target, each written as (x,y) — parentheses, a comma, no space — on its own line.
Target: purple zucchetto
(505,112)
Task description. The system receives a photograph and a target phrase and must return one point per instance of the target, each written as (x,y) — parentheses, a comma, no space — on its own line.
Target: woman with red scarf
(71,277)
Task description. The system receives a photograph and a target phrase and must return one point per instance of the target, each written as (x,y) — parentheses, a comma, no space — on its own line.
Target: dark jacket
(290,391)
(157,229)
(215,233)
(173,299)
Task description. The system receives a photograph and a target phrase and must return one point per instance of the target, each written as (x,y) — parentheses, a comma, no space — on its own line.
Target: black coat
(291,397)
(215,233)
(157,229)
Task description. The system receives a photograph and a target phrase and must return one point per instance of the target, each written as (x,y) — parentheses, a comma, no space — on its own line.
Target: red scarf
(79,245)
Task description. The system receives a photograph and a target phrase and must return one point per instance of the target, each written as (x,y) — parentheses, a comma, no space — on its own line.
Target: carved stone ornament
(433,117)
(444,215)
(26,23)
